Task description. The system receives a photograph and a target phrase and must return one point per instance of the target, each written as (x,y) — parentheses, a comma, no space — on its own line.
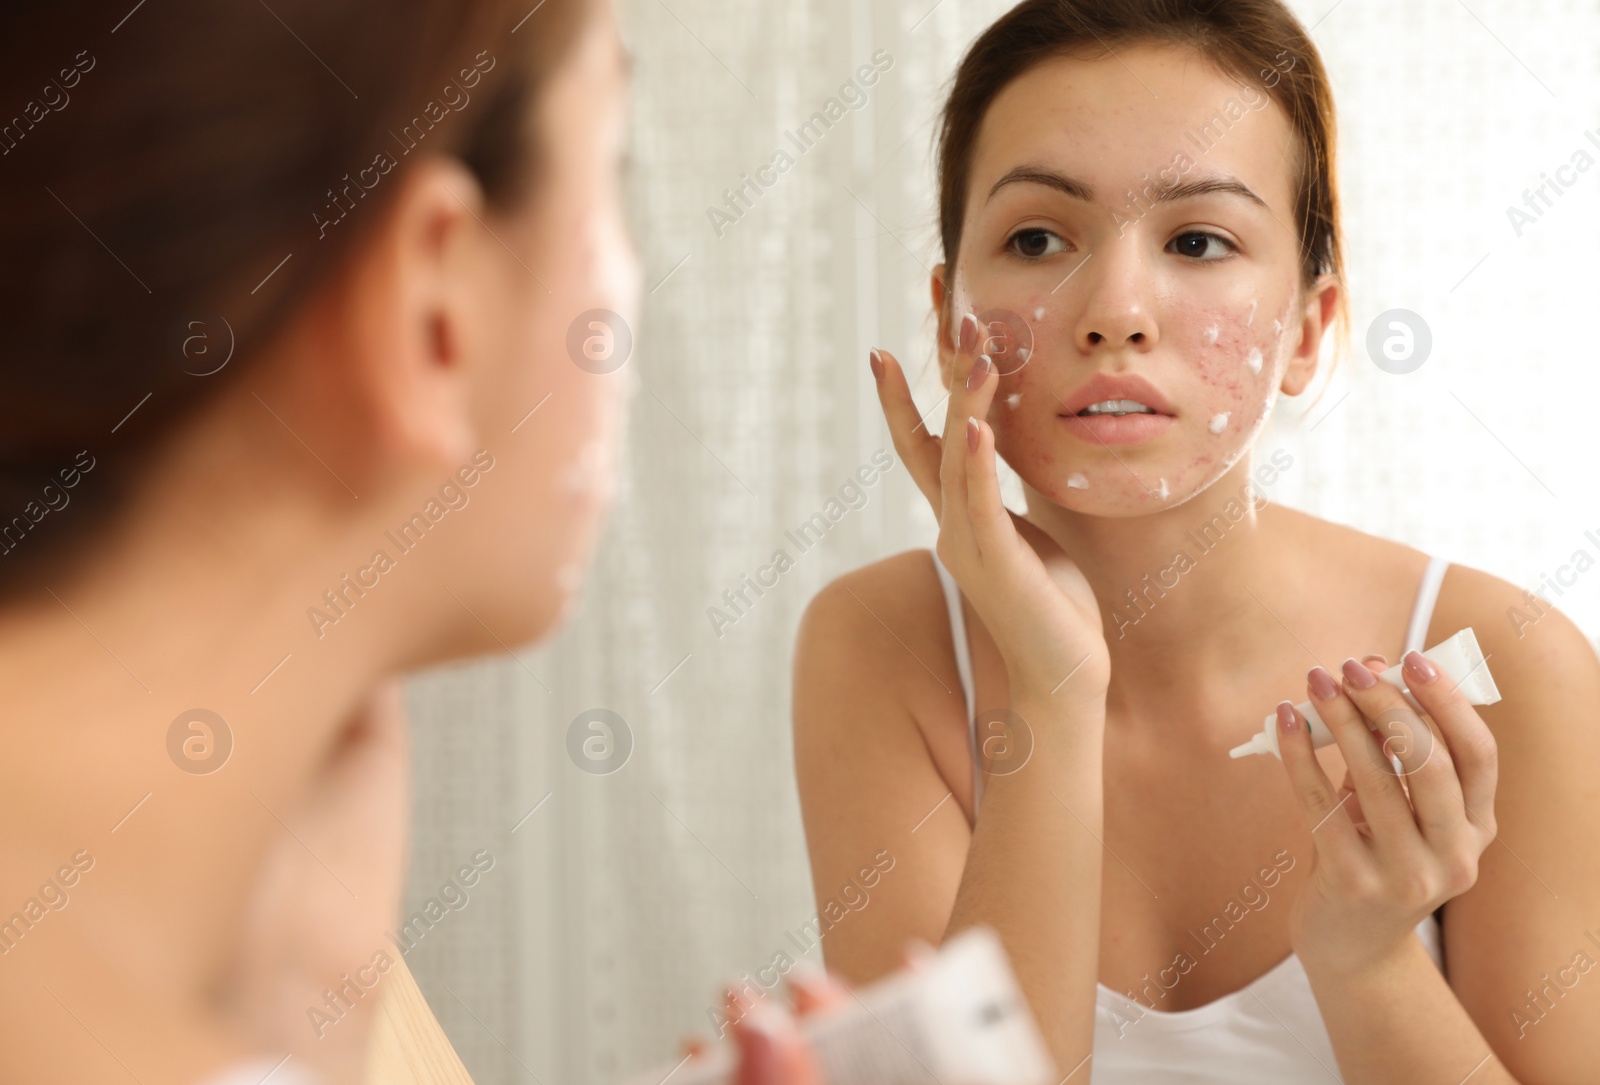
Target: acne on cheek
(1236,352)
(1024,406)
(1234,356)
(1024,431)
(1280,330)
(1224,363)
(1011,332)
(1031,443)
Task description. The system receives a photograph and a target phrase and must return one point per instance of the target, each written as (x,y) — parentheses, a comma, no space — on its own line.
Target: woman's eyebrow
(1039,175)
(1082,190)
(1201,186)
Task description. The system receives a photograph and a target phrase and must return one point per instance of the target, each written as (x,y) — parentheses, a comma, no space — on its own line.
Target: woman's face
(1133,214)
(561,303)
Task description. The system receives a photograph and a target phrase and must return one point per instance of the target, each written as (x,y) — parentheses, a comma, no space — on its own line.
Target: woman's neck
(1185,592)
(196,598)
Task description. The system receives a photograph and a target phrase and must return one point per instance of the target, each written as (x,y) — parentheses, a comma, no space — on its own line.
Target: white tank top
(1269,1032)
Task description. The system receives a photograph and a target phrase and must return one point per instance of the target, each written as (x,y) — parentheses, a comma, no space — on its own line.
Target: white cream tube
(960,1018)
(1459,657)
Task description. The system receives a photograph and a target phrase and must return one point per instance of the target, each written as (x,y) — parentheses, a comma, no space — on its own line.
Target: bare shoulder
(1524,629)
(893,583)
(1386,570)
(875,680)
(1545,668)
(1329,540)
(1535,652)
(882,623)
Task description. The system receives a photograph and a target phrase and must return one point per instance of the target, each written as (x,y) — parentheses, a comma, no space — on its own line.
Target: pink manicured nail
(967,335)
(972,434)
(1286,717)
(1419,669)
(1357,675)
(877,366)
(1321,683)
(979,374)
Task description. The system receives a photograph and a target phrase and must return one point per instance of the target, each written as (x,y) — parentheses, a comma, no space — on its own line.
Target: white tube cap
(1259,742)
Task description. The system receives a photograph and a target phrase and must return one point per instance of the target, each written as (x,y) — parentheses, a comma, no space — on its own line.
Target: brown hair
(184,178)
(1245,38)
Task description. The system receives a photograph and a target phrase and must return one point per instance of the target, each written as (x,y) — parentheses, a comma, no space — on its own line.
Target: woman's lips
(1109,429)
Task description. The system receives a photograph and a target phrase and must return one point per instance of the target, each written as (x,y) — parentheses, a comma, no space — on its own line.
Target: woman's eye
(1036,243)
(1200,246)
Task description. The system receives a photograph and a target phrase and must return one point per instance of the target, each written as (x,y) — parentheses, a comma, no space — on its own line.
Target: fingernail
(733,1004)
(979,374)
(1357,675)
(877,366)
(972,434)
(1286,718)
(967,337)
(1419,669)
(1321,683)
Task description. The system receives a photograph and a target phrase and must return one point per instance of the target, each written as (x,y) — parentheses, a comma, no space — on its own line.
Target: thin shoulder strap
(1427,596)
(958,636)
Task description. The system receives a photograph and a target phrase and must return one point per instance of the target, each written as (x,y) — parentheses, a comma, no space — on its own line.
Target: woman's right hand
(1032,597)
(770,1047)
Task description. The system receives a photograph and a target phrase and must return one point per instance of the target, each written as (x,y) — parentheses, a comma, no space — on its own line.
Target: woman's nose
(1116,310)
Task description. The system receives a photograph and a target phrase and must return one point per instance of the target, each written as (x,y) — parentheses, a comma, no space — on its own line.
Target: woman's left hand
(1390,845)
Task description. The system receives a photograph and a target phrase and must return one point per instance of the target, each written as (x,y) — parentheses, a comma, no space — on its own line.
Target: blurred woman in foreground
(290,405)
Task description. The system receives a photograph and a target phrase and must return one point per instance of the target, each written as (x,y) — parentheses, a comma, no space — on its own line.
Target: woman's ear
(1319,311)
(410,320)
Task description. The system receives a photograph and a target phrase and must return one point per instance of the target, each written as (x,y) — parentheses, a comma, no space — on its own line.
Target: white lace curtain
(618,904)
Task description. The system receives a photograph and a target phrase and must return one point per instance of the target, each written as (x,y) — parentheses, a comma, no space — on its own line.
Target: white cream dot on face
(1219,422)
(1277,327)
(1023,353)
(1252,317)
(1038,314)
(586,474)
(1077,481)
(1253,360)
(1013,399)
(1211,335)
(1163,490)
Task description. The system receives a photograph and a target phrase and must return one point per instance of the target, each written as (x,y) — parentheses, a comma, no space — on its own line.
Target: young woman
(1138,203)
(285,292)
